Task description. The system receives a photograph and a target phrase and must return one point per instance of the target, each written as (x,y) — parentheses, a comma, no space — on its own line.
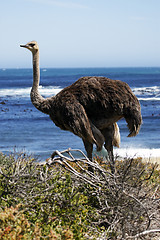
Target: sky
(81,33)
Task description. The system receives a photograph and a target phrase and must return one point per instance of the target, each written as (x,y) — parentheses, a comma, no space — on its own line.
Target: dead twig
(128,207)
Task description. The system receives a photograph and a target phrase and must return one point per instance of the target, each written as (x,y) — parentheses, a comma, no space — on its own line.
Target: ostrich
(89,108)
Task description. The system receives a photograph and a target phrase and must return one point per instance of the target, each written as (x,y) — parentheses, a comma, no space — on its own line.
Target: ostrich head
(32,46)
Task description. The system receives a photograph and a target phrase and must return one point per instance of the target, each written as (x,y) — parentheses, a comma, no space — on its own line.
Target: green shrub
(42,202)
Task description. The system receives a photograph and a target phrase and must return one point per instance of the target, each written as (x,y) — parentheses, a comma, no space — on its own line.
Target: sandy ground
(152,160)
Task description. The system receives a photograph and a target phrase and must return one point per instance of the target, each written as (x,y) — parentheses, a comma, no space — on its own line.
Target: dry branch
(125,202)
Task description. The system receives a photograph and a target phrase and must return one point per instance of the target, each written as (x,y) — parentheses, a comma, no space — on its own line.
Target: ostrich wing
(71,115)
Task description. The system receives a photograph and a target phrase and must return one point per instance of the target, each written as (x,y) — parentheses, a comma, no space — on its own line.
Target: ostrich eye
(32,44)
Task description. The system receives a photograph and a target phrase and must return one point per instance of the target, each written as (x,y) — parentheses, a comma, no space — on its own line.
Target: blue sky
(81,33)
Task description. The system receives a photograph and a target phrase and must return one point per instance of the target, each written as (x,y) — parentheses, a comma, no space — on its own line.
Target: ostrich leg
(108,134)
(89,149)
(111,156)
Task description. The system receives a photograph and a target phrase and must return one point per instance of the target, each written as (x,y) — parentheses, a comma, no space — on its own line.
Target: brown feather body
(95,101)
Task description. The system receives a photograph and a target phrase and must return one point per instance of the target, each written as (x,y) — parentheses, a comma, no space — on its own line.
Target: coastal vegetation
(64,200)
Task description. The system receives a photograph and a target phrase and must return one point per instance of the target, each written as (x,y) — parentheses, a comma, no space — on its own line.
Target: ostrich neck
(36,71)
(38,101)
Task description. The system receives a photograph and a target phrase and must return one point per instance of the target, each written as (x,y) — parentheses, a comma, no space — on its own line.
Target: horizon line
(3,68)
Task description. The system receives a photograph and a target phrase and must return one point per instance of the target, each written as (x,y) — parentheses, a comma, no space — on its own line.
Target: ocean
(24,128)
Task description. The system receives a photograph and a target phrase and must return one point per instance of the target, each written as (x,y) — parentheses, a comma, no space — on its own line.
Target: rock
(3,102)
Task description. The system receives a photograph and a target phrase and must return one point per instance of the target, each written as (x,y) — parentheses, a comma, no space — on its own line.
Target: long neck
(36,71)
(38,101)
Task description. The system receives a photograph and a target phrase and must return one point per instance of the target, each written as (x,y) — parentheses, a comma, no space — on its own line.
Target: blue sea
(24,128)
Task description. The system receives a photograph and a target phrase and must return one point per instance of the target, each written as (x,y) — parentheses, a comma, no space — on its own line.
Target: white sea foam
(149,99)
(147,90)
(49,91)
(147,93)
(132,152)
(137,152)
(25,92)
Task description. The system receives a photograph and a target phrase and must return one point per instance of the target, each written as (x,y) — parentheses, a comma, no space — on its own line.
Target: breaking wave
(25,92)
(147,93)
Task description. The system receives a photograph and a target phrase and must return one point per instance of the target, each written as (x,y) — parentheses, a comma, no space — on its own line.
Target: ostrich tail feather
(134,120)
(134,132)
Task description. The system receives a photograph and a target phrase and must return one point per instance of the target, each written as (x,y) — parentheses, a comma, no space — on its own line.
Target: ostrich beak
(25,46)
